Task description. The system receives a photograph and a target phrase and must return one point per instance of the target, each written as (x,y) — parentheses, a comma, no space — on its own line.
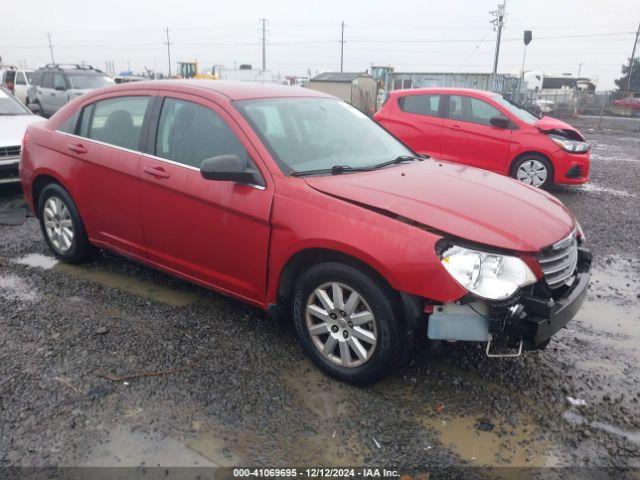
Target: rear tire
(62,226)
(355,339)
(533,169)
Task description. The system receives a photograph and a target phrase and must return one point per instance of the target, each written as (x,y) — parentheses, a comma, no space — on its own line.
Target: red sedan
(484,130)
(297,203)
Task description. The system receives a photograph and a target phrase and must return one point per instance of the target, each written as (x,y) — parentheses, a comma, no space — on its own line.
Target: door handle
(158,172)
(456,127)
(77,147)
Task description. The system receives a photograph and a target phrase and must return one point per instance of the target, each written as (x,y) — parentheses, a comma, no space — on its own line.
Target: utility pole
(633,54)
(51,48)
(168,50)
(498,23)
(342,46)
(579,69)
(264,43)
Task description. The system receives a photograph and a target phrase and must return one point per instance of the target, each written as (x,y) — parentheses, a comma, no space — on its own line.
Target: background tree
(634,86)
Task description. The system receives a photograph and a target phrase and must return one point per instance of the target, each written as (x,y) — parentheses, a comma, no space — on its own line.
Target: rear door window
(20,80)
(189,133)
(420,104)
(116,121)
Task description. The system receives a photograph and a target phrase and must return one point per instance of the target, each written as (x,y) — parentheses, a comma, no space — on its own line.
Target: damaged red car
(485,130)
(297,203)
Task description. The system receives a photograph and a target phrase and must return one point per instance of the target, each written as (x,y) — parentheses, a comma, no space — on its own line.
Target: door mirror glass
(499,121)
(230,168)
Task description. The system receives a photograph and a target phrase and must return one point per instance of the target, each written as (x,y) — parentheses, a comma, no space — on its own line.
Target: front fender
(403,254)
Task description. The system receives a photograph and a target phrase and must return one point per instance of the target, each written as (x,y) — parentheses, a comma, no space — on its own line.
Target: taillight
(10,86)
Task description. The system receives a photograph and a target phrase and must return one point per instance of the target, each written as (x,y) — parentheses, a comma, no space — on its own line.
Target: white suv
(56,84)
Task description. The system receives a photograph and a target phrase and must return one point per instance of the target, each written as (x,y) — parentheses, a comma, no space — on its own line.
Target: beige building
(359,88)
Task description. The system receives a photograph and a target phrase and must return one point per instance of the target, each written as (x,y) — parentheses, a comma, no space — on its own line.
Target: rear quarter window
(420,104)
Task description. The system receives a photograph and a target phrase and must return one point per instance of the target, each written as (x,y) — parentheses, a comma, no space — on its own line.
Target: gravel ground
(235,389)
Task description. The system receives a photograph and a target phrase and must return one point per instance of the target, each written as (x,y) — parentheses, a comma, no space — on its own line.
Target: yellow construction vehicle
(192,70)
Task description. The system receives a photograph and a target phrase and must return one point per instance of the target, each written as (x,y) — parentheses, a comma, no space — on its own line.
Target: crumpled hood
(12,128)
(547,124)
(462,201)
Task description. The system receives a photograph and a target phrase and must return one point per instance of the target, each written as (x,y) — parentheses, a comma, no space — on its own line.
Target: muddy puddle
(127,448)
(617,327)
(13,287)
(37,260)
(123,282)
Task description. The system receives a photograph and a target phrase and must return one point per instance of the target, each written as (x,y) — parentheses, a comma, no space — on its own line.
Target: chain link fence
(571,103)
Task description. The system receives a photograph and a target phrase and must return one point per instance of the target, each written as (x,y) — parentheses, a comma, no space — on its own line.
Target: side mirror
(35,108)
(499,121)
(229,168)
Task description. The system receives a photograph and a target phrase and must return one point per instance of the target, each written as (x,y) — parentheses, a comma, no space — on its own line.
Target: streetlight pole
(168,50)
(342,47)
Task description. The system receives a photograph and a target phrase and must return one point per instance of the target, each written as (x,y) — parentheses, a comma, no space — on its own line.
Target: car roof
(444,90)
(230,89)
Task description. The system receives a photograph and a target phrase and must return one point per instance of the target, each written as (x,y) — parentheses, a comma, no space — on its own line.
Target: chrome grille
(13,151)
(558,263)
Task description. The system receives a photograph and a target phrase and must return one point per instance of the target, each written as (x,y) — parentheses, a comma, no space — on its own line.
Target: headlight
(573,146)
(487,275)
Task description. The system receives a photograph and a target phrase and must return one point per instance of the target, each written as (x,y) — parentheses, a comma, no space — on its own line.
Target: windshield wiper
(334,170)
(400,159)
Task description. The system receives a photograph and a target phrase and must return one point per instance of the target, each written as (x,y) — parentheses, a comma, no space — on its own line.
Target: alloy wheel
(341,324)
(58,224)
(532,172)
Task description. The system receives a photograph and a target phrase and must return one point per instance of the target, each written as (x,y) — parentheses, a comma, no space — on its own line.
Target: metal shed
(501,83)
(357,88)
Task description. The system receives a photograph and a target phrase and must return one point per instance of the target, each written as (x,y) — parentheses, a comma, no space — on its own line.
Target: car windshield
(519,112)
(10,106)
(88,81)
(306,134)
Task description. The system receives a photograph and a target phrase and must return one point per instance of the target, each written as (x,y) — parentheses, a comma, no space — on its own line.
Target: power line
(476,48)
(320,42)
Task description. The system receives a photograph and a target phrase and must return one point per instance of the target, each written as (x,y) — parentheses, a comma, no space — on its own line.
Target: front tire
(347,322)
(533,169)
(62,226)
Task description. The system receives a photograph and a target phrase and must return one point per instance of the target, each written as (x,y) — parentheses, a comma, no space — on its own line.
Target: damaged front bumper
(527,321)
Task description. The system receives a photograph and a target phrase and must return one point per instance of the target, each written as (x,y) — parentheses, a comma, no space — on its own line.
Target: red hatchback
(297,203)
(485,130)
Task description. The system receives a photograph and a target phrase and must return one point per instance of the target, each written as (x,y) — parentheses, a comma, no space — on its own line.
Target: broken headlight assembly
(573,146)
(491,276)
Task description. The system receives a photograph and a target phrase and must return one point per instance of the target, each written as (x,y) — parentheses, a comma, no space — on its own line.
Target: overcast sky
(411,35)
